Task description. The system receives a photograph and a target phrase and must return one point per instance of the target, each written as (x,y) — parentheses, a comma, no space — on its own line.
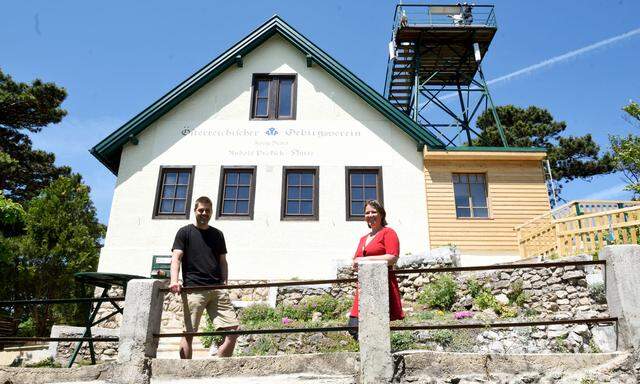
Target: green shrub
(517,295)
(442,336)
(530,312)
(27,328)
(475,287)
(426,315)
(506,311)
(293,312)
(559,345)
(486,300)
(463,340)
(46,363)
(207,341)
(401,341)
(329,307)
(439,294)
(258,313)
(263,345)
(339,342)
(598,293)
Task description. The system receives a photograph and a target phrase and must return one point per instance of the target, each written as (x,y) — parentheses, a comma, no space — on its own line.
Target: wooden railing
(580,227)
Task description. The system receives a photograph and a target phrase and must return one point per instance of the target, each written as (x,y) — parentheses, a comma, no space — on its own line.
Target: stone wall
(61,351)
(551,293)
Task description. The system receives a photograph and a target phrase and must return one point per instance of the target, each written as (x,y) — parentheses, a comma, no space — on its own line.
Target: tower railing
(421,15)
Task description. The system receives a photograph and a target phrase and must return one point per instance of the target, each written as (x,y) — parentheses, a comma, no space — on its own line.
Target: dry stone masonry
(551,293)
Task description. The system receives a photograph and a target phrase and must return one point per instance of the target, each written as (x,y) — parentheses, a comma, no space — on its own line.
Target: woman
(381,243)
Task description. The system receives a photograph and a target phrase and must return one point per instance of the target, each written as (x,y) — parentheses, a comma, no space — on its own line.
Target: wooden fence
(580,227)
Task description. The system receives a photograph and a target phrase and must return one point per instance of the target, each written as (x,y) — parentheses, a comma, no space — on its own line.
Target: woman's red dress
(385,242)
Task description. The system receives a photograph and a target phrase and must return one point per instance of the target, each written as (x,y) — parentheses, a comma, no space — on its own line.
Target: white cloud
(565,56)
(557,59)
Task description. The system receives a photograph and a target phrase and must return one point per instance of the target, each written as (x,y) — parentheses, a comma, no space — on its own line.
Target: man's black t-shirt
(201,260)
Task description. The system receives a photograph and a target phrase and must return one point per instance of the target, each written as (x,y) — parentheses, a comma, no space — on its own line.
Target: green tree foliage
(12,217)
(12,223)
(57,233)
(626,151)
(571,157)
(633,112)
(62,237)
(27,108)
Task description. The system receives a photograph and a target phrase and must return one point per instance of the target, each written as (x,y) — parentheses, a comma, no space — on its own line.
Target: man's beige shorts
(218,307)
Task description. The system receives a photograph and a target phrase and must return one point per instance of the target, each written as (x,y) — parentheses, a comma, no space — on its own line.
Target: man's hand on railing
(175,287)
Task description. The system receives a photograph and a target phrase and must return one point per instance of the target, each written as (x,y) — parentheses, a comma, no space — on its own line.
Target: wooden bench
(8,328)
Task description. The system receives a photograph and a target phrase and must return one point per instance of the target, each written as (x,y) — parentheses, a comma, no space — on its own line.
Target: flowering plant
(286,320)
(463,315)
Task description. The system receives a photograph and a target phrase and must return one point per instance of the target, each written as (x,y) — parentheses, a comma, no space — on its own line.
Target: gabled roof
(109,150)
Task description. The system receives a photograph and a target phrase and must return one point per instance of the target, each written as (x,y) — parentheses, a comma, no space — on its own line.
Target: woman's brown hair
(376,204)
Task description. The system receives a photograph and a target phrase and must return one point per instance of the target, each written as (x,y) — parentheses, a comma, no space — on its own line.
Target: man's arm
(224,268)
(176,257)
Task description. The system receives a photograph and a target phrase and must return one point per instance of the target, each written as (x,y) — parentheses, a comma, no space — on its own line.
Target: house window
(362,184)
(300,193)
(470,191)
(273,97)
(237,193)
(173,195)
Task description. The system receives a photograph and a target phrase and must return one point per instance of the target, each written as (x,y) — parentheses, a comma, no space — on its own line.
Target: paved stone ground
(276,379)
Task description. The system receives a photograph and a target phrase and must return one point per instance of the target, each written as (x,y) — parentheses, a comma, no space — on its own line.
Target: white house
(288,144)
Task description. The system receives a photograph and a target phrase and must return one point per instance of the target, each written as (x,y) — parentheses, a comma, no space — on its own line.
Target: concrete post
(623,291)
(376,365)
(142,316)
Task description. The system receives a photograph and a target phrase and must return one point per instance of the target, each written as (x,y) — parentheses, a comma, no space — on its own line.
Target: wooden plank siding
(516,193)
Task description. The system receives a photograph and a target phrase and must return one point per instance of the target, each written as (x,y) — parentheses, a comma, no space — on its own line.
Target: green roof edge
(493,149)
(108,150)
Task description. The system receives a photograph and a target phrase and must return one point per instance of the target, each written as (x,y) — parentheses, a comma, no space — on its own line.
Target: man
(201,251)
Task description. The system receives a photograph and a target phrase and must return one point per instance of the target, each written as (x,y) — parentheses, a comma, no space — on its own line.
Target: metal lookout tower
(434,72)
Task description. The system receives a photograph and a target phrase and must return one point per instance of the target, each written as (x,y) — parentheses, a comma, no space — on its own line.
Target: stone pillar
(376,365)
(142,318)
(623,291)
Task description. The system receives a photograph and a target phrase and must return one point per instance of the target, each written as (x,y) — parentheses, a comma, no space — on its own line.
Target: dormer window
(273,97)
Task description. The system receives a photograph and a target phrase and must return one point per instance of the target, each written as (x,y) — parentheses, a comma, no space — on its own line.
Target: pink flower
(286,320)
(462,315)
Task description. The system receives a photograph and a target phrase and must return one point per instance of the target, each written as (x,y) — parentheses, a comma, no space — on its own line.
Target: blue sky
(117,57)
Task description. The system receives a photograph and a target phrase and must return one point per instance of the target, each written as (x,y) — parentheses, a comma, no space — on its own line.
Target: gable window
(470,191)
(173,194)
(237,193)
(300,193)
(363,183)
(273,97)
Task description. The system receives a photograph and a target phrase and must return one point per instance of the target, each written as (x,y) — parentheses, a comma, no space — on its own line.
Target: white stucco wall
(221,133)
